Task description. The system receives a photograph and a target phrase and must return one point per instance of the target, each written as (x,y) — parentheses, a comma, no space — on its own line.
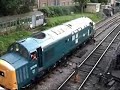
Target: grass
(61,19)
(8,39)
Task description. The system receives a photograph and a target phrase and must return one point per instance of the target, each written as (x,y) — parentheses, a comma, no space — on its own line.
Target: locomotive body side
(53,53)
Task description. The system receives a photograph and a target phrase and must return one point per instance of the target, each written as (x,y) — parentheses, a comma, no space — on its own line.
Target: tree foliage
(99,1)
(9,7)
(103,1)
(94,1)
(82,4)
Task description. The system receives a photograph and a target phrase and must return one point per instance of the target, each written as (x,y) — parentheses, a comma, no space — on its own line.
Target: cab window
(18,49)
(34,55)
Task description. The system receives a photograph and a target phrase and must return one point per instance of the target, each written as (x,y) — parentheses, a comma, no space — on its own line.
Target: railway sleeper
(95,56)
(88,64)
(84,71)
(102,47)
(99,51)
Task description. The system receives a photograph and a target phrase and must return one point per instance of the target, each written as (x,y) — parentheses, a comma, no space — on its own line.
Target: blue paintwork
(30,44)
(17,62)
(62,47)
(14,59)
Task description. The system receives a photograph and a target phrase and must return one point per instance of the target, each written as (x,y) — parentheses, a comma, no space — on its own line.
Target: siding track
(99,30)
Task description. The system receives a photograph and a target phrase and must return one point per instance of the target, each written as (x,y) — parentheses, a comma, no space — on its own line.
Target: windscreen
(17,48)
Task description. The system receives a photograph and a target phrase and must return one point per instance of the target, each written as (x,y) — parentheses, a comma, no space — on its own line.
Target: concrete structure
(118,1)
(43,3)
(93,7)
(112,1)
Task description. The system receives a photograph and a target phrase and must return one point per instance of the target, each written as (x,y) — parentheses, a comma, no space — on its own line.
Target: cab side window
(34,56)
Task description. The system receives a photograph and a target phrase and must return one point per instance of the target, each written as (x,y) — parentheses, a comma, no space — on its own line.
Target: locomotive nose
(7,76)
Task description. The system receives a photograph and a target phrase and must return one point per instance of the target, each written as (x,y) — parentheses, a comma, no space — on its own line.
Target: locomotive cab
(13,67)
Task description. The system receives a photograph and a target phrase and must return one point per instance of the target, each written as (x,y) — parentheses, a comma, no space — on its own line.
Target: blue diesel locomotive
(31,57)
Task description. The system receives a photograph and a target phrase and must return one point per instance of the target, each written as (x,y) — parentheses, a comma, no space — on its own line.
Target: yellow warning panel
(7,76)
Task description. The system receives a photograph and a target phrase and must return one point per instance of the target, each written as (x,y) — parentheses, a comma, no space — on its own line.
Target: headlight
(2,74)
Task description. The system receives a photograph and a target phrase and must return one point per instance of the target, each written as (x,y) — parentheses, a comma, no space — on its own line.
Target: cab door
(39,54)
(36,62)
(33,64)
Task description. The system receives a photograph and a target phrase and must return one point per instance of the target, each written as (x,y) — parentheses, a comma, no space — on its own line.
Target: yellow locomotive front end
(7,76)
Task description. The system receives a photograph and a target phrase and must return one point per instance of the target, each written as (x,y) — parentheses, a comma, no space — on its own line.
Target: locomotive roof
(46,38)
(51,36)
(78,23)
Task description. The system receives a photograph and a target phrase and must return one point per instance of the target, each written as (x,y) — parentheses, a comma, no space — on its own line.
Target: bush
(23,9)
(46,11)
(59,10)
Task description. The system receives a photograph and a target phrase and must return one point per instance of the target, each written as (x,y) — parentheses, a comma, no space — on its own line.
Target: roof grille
(39,36)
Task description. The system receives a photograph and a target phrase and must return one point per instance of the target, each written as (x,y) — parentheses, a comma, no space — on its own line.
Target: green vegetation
(99,1)
(53,11)
(10,7)
(6,40)
(82,4)
(53,21)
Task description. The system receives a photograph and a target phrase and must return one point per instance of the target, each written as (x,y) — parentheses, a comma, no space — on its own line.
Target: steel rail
(97,46)
(107,22)
(98,61)
(107,27)
(85,59)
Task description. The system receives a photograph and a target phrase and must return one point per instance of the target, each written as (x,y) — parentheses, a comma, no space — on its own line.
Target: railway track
(90,63)
(107,25)
(93,78)
(107,21)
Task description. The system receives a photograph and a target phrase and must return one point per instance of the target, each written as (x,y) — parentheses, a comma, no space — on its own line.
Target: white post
(56,2)
(38,3)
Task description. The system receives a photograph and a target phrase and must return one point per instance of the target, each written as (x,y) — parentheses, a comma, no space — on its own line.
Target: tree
(9,7)
(103,1)
(94,1)
(99,1)
(82,4)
